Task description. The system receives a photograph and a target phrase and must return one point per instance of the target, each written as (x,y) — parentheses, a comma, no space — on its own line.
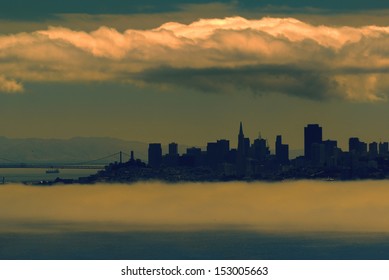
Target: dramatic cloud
(291,206)
(271,55)
(9,86)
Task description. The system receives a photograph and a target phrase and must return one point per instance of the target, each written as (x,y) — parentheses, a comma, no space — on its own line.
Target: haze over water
(291,220)
(290,206)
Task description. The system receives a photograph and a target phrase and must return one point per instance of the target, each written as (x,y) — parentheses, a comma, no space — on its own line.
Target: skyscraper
(172,158)
(373,149)
(241,142)
(353,144)
(173,149)
(217,152)
(155,154)
(312,134)
(282,151)
(383,148)
(331,152)
(260,150)
(242,151)
(357,147)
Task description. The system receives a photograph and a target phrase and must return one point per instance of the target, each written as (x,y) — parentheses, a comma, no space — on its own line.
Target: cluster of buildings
(322,159)
(254,159)
(327,154)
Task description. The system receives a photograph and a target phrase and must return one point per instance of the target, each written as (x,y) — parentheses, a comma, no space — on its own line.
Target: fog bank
(290,206)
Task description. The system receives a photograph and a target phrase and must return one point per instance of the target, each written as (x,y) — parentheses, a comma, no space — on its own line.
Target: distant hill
(78,149)
(73,150)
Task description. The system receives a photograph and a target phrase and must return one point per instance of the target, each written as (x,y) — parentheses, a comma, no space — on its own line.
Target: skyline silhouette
(322,159)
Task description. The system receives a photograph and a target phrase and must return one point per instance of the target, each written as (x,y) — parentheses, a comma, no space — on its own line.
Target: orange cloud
(350,63)
(10,86)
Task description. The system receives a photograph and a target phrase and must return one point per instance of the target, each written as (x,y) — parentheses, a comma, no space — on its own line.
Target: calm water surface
(228,245)
(17,175)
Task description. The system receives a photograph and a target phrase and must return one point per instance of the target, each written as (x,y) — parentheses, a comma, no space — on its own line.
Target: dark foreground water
(227,245)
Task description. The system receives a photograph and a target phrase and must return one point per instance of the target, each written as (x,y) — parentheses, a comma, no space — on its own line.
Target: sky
(190,71)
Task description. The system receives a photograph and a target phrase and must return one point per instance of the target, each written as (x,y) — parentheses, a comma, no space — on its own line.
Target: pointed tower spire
(241,129)
(241,140)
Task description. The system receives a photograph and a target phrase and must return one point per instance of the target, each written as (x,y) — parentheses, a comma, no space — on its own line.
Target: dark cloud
(261,79)
(45,9)
(333,5)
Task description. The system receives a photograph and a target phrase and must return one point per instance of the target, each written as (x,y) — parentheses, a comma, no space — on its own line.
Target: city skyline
(313,134)
(189,71)
(310,129)
(249,161)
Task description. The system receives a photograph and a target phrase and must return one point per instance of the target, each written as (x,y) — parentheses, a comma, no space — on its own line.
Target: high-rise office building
(383,149)
(373,149)
(260,150)
(357,147)
(312,134)
(217,152)
(192,157)
(318,154)
(353,144)
(155,154)
(213,154)
(224,146)
(173,149)
(331,152)
(172,158)
(282,151)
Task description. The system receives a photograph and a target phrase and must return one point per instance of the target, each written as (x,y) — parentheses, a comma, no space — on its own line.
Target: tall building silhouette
(242,152)
(356,146)
(282,151)
(317,154)
(217,152)
(313,134)
(224,146)
(353,144)
(331,152)
(173,149)
(383,148)
(241,142)
(260,150)
(155,154)
(172,158)
(373,149)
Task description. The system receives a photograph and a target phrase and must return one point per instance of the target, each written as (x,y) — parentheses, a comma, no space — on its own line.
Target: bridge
(98,163)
